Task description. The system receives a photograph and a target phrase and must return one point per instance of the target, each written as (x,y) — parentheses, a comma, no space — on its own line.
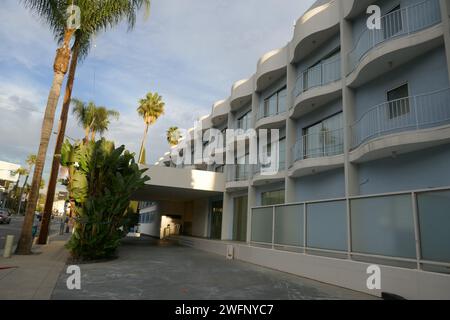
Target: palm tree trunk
(93,135)
(60,68)
(86,134)
(21,194)
(143,143)
(43,233)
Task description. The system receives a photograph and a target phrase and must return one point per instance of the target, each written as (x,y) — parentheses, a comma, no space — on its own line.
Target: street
(15,227)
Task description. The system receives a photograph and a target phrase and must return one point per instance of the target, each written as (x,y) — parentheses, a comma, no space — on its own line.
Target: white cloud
(190,52)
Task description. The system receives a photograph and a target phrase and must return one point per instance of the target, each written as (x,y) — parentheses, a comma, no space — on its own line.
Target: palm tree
(84,112)
(95,16)
(31,160)
(50,10)
(21,172)
(150,109)
(173,136)
(101,120)
(92,118)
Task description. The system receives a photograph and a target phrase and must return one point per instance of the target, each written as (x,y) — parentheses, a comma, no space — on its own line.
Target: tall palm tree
(173,136)
(96,15)
(31,161)
(150,109)
(101,121)
(50,10)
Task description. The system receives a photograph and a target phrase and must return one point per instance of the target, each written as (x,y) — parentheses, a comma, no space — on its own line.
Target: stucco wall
(325,185)
(428,168)
(425,74)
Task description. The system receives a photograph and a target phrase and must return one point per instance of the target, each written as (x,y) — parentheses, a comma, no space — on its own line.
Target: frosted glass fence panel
(383,226)
(434,219)
(327,225)
(262,221)
(289,225)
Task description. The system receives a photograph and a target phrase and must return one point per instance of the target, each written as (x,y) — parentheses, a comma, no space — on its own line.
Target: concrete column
(445,14)
(227,217)
(291,133)
(349,109)
(251,204)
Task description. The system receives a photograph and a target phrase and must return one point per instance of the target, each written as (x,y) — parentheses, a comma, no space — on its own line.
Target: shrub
(100,183)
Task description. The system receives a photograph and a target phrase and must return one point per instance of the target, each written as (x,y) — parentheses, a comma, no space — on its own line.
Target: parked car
(4,217)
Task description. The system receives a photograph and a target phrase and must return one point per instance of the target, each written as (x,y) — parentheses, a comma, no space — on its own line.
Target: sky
(189,51)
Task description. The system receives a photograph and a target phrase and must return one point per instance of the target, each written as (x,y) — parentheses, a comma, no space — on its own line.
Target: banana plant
(101,180)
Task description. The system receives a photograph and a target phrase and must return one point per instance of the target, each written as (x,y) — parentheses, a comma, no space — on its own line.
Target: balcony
(264,174)
(318,152)
(397,24)
(317,76)
(238,177)
(244,123)
(272,117)
(423,118)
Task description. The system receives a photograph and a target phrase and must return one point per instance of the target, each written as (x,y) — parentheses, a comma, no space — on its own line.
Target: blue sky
(189,51)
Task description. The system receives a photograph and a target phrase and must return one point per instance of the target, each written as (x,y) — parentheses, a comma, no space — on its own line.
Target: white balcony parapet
(398,23)
(410,113)
(317,145)
(324,73)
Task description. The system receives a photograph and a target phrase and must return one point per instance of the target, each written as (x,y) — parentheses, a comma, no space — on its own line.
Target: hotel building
(364,155)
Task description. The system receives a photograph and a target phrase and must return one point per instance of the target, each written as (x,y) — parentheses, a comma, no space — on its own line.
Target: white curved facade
(364,116)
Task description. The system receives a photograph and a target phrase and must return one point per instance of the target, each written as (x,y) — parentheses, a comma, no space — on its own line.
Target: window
(281,148)
(324,138)
(244,121)
(242,166)
(271,198)
(224,135)
(283,153)
(240,209)
(392,22)
(276,103)
(322,71)
(398,101)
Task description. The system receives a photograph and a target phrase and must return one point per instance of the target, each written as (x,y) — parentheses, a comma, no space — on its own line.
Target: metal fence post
(349,230)
(273,227)
(416,229)
(305,210)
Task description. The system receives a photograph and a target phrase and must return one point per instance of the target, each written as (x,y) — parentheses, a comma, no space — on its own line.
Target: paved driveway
(152,269)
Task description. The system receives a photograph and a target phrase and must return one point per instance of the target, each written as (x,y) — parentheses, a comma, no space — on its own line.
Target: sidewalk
(33,276)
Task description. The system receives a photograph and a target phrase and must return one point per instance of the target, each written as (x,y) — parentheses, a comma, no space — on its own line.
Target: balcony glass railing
(273,106)
(410,113)
(318,145)
(240,172)
(266,169)
(326,72)
(394,24)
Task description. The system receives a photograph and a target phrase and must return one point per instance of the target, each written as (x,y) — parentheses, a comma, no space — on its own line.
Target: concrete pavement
(153,269)
(33,276)
(15,227)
